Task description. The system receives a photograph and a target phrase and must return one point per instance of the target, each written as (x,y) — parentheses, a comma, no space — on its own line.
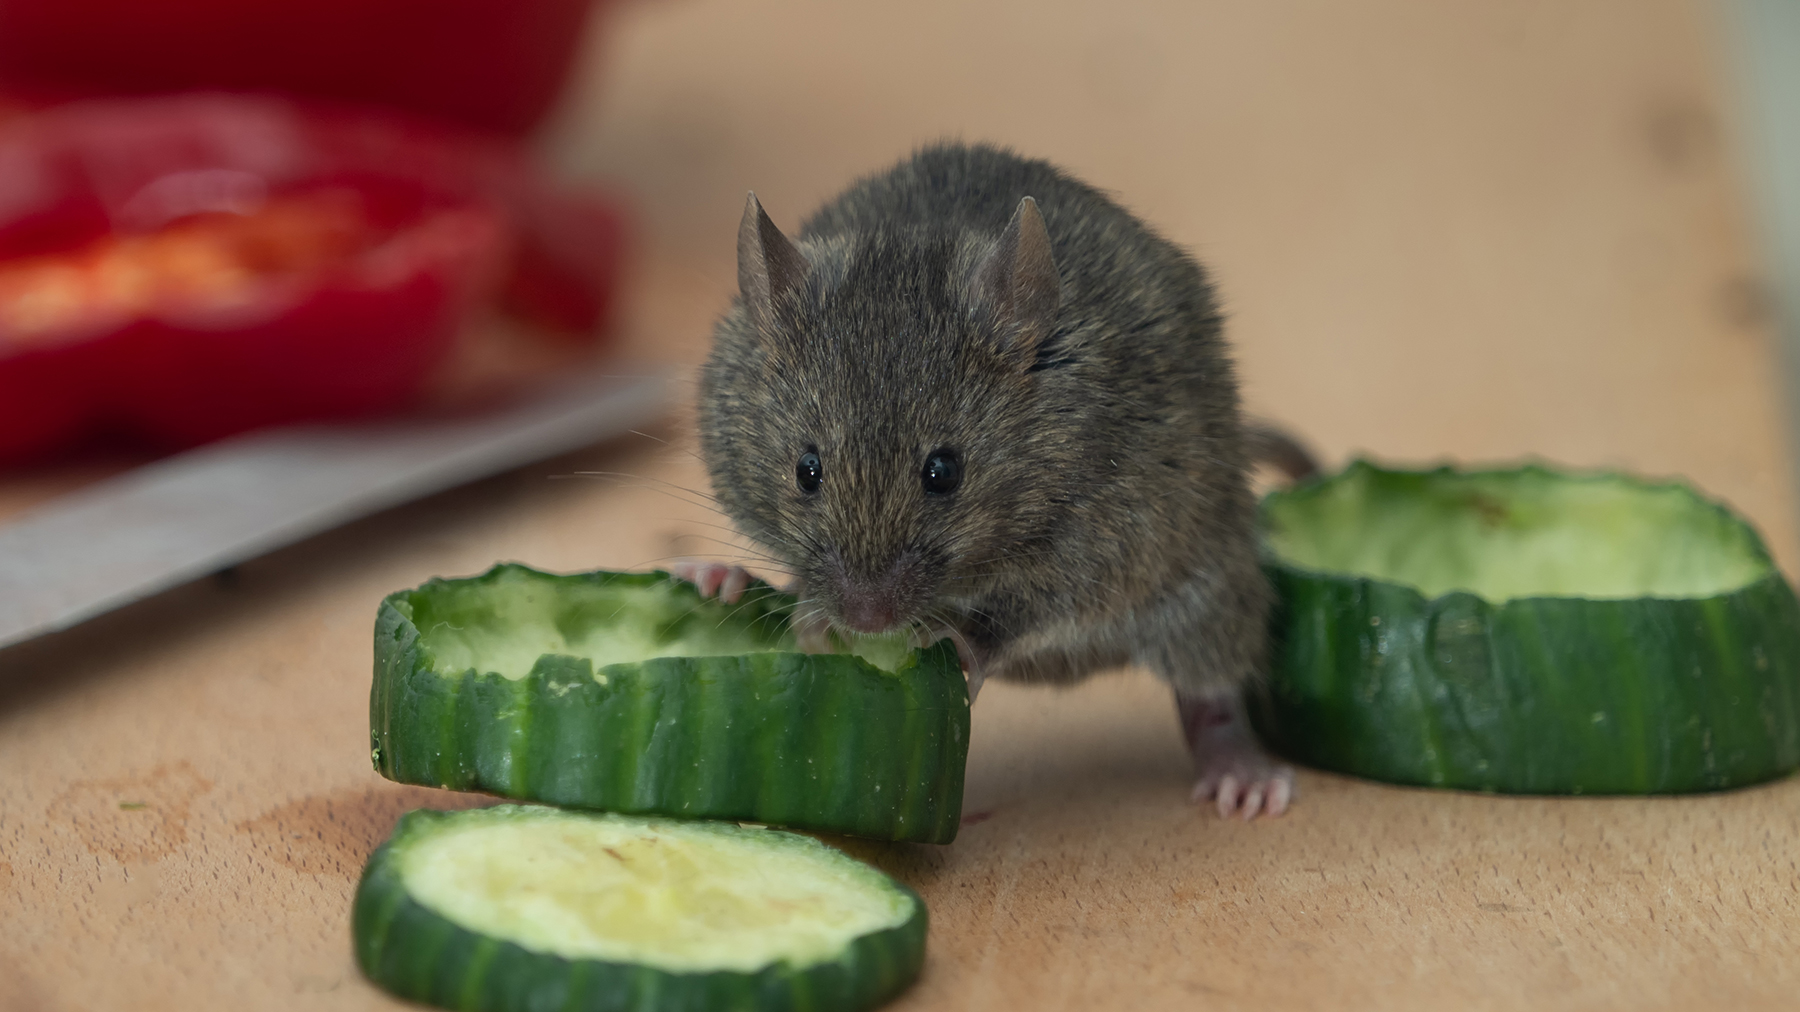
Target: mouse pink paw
(728,582)
(1250,786)
(1235,773)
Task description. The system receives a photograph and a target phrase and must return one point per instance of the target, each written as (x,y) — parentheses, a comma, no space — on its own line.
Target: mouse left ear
(1018,281)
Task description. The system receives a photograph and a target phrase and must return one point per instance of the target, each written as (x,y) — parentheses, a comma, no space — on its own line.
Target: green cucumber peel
(630,692)
(524,908)
(1503,630)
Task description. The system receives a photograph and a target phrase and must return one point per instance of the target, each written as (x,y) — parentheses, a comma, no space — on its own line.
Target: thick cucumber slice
(524,908)
(1527,631)
(630,692)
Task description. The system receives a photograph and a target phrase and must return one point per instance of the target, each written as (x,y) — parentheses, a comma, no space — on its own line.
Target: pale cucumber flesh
(505,624)
(683,897)
(1523,533)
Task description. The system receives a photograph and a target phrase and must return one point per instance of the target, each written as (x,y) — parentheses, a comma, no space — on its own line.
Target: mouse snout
(868,611)
(875,602)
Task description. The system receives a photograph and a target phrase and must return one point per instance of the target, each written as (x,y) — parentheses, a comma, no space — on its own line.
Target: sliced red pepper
(190,267)
(493,64)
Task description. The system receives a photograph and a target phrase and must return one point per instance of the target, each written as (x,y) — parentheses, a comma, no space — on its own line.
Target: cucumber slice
(1527,631)
(526,908)
(630,692)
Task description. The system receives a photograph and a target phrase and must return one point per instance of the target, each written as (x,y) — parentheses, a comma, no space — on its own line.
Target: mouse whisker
(709,507)
(647,479)
(658,563)
(734,551)
(618,478)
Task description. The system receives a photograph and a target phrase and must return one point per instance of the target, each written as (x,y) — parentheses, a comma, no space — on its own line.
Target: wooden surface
(1467,230)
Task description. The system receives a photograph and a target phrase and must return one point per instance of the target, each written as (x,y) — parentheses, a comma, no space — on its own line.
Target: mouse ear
(768,264)
(1018,280)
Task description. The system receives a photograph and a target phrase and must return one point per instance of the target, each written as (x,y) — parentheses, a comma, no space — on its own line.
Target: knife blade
(183,517)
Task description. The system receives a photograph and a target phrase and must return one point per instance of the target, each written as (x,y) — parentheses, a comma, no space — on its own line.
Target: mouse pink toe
(1280,793)
(1226,795)
(732,586)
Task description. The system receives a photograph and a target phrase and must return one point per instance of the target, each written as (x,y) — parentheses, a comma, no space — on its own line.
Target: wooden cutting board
(1476,231)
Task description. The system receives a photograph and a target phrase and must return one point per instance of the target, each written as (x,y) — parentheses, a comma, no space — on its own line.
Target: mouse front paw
(728,582)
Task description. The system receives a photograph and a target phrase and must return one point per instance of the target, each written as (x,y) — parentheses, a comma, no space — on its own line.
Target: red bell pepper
(190,267)
(493,64)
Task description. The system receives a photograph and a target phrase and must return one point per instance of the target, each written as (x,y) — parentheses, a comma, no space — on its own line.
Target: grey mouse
(977,398)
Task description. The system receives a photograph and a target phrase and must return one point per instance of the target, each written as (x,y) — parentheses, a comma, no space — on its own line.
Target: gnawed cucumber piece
(630,692)
(527,908)
(1527,631)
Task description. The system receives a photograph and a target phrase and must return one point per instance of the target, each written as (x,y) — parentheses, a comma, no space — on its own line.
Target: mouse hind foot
(1235,773)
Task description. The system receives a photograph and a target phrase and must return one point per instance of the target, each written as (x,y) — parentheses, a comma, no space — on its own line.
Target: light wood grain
(1441,229)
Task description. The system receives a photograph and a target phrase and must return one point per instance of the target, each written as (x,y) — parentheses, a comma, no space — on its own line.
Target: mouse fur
(1073,360)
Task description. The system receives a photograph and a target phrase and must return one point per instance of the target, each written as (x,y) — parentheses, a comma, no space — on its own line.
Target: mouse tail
(1271,445)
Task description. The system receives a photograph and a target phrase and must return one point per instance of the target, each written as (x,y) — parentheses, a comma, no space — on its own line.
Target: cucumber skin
(812,741)
(417,954)
(1371,678)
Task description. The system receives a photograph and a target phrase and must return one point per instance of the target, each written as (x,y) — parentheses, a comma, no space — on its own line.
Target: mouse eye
(809,473)
(943,472)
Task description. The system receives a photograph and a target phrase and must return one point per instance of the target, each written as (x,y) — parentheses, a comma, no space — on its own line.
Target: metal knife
(185,516)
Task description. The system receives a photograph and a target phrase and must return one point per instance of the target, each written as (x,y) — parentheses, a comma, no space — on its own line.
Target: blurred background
(1476,231)
(1473,231)
(1468,231)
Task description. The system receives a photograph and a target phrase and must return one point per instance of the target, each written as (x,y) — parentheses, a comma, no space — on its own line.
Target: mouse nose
(873,604)
(869,613)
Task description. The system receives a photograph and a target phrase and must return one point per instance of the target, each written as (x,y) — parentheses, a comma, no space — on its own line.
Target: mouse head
(872,410)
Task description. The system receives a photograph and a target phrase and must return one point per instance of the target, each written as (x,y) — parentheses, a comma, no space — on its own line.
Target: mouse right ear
(769,266)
